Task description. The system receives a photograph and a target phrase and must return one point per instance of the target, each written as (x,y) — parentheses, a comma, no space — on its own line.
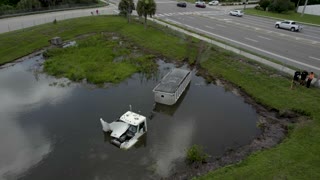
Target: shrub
(257,7)
(264,4)
(281,6)
(195,154)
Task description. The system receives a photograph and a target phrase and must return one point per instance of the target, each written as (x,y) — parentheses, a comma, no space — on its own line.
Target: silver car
(238,13)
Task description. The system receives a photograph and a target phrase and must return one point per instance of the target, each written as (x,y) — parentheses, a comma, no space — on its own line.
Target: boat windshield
(133,129)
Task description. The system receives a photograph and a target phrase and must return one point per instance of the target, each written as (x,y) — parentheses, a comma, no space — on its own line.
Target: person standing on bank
(310,77)
(303,78)
(296,77)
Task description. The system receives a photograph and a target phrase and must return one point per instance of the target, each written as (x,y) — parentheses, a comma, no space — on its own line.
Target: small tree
(264,4)
(145,8)
(29,4)
(195,154)
(281,6)
(125,7)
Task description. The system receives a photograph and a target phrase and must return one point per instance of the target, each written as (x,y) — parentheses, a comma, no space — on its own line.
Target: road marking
(314,58)
(251,39)
(258,49)
(264,38)
(220,25)
(166,14)
(172,21)
(210,27)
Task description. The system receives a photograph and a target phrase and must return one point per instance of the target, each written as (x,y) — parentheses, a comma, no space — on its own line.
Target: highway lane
(256,34)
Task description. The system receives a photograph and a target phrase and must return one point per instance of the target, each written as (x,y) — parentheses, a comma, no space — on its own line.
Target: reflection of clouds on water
(22,148)
(178,140)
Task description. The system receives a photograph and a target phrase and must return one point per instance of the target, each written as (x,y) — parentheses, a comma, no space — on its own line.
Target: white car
(213,3)
(290,25)
(200,3)
(238,13)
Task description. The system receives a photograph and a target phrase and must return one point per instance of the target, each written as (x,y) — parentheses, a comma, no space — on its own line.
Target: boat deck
(171,81)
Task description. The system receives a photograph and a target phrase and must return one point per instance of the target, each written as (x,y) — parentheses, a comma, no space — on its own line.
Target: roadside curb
(276,66)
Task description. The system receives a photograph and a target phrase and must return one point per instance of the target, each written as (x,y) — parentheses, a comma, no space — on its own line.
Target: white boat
(172,85)
(126,130)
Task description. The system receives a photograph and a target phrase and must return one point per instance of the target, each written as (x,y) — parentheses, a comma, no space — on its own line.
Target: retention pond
(50,127)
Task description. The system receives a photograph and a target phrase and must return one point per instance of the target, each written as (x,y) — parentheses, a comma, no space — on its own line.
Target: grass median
(297,157)
(291,15)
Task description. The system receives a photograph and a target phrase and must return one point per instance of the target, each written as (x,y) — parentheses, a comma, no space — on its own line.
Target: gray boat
(172,85)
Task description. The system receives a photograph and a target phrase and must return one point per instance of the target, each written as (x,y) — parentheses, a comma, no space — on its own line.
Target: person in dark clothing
(310,77)
(303,77)
(296,78)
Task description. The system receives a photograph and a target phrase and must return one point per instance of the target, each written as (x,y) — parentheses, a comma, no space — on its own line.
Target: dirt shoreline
(274,127)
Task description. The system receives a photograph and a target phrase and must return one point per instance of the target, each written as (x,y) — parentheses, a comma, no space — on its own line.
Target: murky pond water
(50,129)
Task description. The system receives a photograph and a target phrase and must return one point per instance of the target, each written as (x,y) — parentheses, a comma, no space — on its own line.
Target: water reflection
(52,131)
(23,146)
(177,138)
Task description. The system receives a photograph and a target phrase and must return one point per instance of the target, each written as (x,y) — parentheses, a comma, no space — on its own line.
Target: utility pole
(304,7)
(245,3)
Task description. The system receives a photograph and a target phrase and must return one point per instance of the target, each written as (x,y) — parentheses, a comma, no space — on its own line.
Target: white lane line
(258,49)
(220,25)
(314,58)
(189,26)
(264,38)
(166,14)
(210,27)
(251,39)
(172,21)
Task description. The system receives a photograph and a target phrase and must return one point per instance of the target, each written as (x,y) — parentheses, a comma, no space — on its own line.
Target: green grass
(306,18)
(94,59)
(297,157)
(19,43)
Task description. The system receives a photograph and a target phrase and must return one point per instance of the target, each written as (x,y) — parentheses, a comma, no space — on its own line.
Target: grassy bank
(296,158)
(98,59)
(19,43)
(291,15)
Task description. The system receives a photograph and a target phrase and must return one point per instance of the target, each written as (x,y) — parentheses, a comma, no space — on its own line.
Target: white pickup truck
(290,25)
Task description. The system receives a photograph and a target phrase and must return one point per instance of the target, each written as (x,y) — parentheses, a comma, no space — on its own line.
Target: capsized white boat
(126,130)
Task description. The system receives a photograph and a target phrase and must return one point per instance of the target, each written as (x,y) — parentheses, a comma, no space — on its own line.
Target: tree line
(7,5)
(143,8)
(280,6)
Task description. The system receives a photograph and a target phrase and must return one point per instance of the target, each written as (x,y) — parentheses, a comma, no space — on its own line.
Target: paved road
(21,22)
(254,33)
